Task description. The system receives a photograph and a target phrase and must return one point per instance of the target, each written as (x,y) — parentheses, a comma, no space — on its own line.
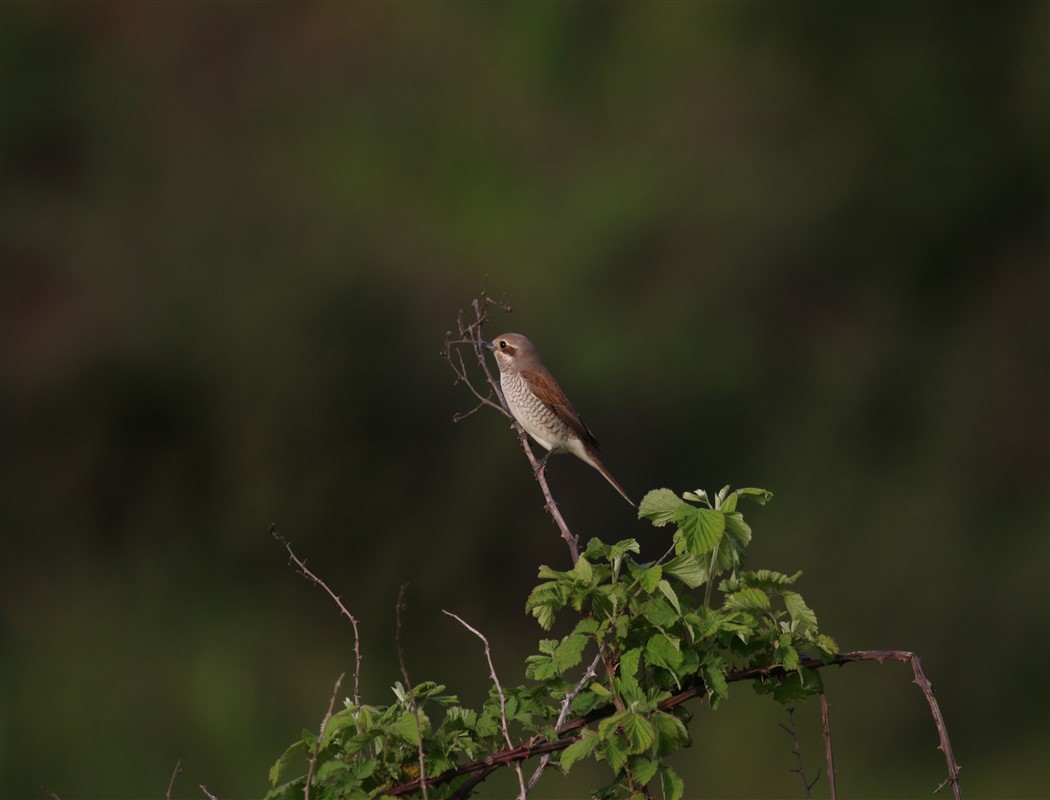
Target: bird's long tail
(594,461)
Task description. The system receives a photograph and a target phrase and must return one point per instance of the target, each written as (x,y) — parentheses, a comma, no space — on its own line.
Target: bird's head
(513,351)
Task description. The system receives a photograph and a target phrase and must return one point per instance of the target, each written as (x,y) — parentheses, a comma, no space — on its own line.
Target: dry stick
(826,720)
(792,731)
(499,691)
(174,774)
(411,693)
(538,745)
(320,737)
(207,794)
(306,573)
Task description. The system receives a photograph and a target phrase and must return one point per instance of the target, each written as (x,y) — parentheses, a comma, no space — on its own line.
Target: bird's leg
(542,463)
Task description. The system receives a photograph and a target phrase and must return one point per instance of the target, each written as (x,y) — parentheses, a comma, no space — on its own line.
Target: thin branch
(499,691)
(825,718)
(538,745)
(411,693)
(320,737)
(310,576)
(800,770)
(207,794)
(174,774)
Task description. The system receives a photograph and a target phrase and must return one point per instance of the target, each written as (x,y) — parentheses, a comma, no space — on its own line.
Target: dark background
(790,245)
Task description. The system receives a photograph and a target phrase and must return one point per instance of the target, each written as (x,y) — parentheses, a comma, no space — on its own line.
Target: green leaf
(688,569)
(639,732)
(803,619)
(661,651)
(701,529)
(658,506)
(582,571)
(649,577)
(282,762)
(713,672)
(570,652)
(659,612)
(785,654)
(615,751)
(643,770)
(669,593)
(760,496)
(628,669)
(671,733)
(408,727)
(748,600)
(673,787)
(579,749)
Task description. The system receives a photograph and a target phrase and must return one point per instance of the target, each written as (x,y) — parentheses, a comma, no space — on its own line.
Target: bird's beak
(488,345)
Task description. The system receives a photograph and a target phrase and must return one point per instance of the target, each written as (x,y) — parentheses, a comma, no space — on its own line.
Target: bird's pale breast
(539,421)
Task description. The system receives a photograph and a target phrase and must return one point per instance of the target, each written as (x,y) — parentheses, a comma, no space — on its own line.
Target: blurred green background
(800,246)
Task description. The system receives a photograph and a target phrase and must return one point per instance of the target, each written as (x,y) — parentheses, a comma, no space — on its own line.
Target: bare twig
(499,691)
(800,770)
(469,333)
(411,693)
(826,720)
(207,794)
(320,737)
(310,576)
(174,774)
(538,745)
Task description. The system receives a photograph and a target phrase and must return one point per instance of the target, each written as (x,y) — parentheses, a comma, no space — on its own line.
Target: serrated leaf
(408,727)
(670,594)
(570,652)
(673,787)
(701,529)
(579,749)
(649,577)
(671,731)
(583,571)
(748,599)
(803,619)
(628,669)
(638,731)
(661,651)
(658,506)
(643,770)
(615,751)
(760,496)
(713,672)
(659,612)
(688,569)
(282,761)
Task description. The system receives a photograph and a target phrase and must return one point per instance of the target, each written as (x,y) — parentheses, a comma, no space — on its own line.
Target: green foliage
(652,629)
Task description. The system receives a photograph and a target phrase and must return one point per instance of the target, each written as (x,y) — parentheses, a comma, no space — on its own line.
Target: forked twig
(499,691)
(300,565)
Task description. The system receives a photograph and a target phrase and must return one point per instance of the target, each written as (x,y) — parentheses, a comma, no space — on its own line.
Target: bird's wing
(550,393)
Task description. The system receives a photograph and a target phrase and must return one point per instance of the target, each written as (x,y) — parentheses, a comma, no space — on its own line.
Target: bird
(540,406)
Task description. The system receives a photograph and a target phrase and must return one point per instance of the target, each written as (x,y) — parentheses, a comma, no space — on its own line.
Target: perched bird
(541,407)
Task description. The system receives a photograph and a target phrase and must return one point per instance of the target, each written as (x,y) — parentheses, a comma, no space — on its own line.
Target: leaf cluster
(654,629)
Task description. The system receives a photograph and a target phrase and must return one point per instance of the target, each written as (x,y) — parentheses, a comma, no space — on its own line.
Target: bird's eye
(502,344)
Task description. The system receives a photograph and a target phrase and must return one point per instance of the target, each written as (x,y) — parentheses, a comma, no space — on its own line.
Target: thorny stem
(300,565)
(538,745)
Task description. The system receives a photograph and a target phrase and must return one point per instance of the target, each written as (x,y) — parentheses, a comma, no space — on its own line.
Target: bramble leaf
(658,506)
